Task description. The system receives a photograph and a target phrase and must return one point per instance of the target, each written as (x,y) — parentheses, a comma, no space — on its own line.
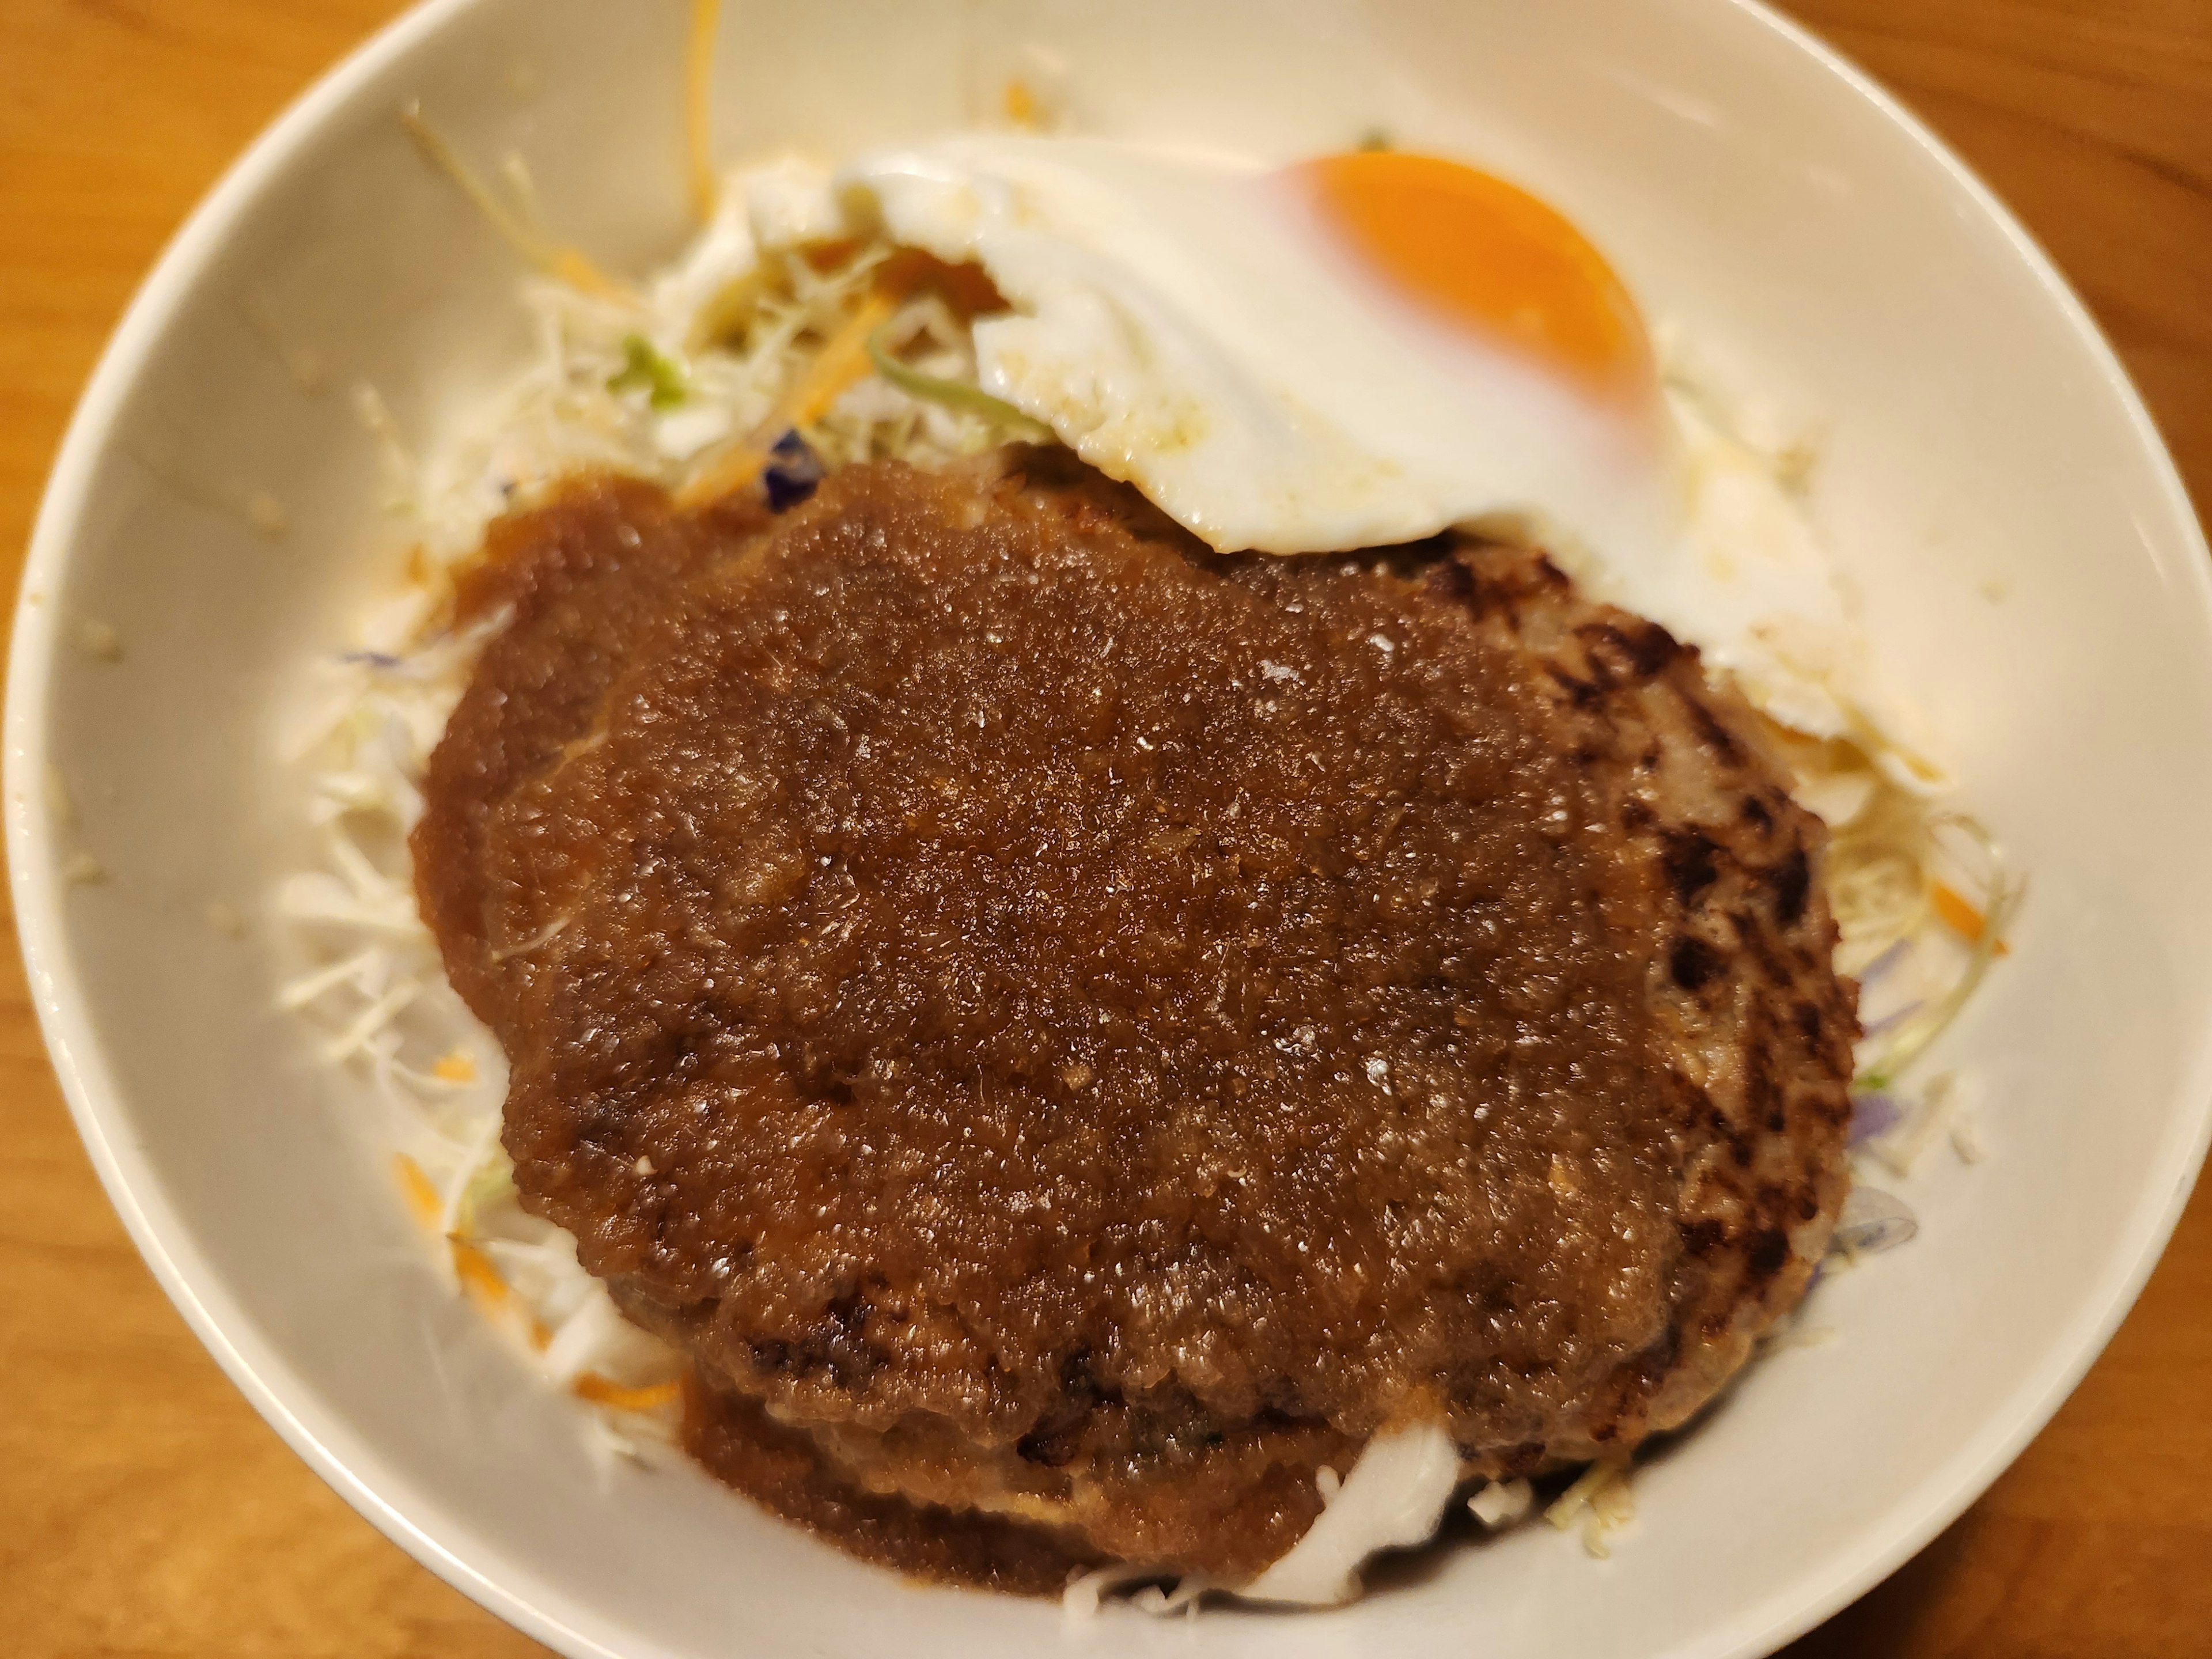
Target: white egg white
(1184,324)
(1180,323)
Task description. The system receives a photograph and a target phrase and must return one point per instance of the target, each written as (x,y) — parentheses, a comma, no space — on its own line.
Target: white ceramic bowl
(1982,441)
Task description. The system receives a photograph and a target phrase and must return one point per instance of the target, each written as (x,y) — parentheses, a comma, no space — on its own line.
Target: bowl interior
(2029,564)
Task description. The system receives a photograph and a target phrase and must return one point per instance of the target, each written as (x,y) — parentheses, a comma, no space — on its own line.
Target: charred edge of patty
(1747,969)
(785,1471)
(1163,1483)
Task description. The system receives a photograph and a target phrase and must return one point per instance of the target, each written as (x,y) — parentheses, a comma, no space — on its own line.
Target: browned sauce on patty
(1086,1031)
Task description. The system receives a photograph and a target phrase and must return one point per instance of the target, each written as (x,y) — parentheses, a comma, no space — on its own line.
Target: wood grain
(145,1510)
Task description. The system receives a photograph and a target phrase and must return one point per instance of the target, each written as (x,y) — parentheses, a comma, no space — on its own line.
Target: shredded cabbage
(1392,1499)
(648,381)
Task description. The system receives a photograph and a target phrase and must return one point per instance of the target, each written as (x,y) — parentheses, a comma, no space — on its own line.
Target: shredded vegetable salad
(768,354)
(744,363)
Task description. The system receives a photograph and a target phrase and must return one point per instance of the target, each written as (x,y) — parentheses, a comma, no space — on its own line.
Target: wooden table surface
(145,1510)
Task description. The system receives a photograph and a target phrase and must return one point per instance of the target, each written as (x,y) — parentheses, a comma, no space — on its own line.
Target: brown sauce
(1106,1028)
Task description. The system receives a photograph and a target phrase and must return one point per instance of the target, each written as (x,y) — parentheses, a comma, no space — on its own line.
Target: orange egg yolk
(1490,259)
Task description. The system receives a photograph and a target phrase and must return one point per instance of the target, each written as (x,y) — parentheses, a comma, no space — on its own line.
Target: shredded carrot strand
(842,360)
(422,1198)
(699,106)
(578,272)
(1960,915)
(478,1274)
(602,1392)
(488,1287)
(729,472)
(524,238)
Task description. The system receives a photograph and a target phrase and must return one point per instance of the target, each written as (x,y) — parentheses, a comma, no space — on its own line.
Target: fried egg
(1367,348)
(1355,351)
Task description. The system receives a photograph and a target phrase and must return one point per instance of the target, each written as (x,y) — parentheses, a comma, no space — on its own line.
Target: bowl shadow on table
(1897,1615)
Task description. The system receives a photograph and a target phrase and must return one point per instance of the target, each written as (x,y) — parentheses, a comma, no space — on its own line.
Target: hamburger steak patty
(1069,1028)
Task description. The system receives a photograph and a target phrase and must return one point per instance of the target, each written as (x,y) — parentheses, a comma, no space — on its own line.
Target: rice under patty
(1085,1030)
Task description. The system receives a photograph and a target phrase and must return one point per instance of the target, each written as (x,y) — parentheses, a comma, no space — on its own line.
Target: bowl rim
(477,1564)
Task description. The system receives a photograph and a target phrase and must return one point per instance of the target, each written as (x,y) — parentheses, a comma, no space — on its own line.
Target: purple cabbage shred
(1873,1114)
(1883,964)
(1890,1021)
(1873,1220)
(793,470)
